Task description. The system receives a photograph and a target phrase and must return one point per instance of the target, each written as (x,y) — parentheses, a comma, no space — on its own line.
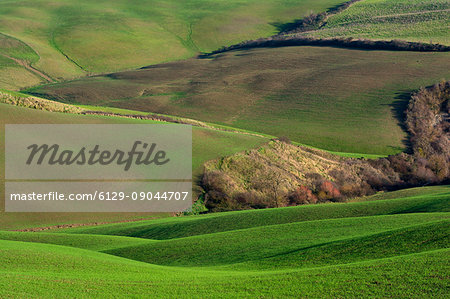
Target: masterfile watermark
(68,152)
(52,155)
(98,168)
(98,196)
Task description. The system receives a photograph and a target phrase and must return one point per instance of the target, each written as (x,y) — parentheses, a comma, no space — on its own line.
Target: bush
(251,199)
(197,208)
(218,181)
(300,196)
(329,191)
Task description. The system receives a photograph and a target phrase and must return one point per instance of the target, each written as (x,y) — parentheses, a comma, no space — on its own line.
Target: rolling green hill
(266,242)
(335,99)
(55,271)
(396,247)
(434,199)
(72,38)
(412,20)
(91,242)
(14,56)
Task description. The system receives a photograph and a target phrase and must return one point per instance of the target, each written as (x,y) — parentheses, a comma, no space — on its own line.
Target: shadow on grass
(399,107)
(287,27)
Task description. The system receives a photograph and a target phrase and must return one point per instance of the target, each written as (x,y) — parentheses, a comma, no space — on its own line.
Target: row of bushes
(288,41)
(137,116)
(37,103)
(258,180)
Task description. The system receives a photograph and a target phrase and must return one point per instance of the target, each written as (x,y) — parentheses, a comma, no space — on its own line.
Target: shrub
(218,181)
(251,199)
(300,196)
(197,208)
(329,191)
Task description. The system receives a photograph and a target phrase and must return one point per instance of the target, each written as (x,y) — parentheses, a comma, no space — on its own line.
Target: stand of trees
(428,123)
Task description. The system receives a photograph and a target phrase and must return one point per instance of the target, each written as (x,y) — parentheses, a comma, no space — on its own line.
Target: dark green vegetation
(280,40)
(335,99)
(377,247)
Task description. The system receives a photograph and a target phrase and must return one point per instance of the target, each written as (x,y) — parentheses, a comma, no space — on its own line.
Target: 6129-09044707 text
(107,196)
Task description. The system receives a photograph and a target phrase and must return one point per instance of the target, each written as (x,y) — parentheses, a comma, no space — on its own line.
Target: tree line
(364,44)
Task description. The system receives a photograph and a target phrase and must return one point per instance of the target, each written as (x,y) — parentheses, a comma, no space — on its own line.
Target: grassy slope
(412,20)
(227,247)
(405,240)
(399,255)
(91,242)
(411,192)
(73,37)
(207,144)
(221,127)
(12,74)
(267,242)
(434,200)
(77,272)
(335,99)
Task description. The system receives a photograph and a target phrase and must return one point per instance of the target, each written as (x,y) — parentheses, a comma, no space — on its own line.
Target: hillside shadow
(286,27)
(290,43)
(398,108)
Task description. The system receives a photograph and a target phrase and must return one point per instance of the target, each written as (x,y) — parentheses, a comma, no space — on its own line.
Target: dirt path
(30,68)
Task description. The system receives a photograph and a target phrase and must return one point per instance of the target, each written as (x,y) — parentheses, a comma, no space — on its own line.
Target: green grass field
(72,38)
(412,20)
(396,247)
(431,200)
(335,99)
